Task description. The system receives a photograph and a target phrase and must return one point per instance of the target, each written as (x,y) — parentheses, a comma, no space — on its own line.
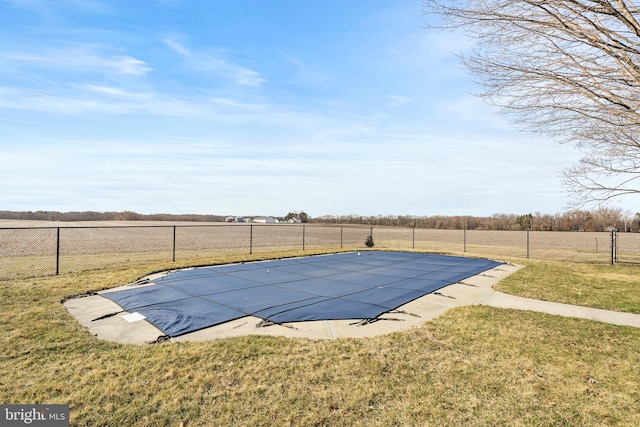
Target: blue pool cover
(348,285)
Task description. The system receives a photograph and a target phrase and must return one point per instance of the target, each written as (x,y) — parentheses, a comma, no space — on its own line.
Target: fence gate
(627,248)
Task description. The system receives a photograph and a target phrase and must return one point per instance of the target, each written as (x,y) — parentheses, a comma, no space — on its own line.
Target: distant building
(230,219)
(265,220)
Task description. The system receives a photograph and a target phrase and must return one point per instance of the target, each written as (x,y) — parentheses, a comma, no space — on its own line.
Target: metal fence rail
(42,251)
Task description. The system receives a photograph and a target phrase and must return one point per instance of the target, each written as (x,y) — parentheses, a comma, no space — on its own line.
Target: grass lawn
(474,366)
(602,286)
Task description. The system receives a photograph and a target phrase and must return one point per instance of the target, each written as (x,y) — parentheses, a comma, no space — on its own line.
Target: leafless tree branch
(566,68)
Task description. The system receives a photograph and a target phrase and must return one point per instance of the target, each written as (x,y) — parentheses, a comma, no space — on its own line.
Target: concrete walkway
(501,300)
(105,319)
(486,295)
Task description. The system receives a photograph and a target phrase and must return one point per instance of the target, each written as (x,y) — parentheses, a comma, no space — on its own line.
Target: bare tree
(565,68)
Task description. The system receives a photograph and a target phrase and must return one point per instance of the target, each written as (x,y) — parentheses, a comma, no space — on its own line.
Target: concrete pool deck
(96,313)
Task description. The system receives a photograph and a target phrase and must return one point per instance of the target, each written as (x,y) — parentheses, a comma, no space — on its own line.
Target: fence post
(413,238)
(341,227)
(527,243)
(464,238)
(250,239)
(174,244)
(614,247)
(303,228)
(58,251)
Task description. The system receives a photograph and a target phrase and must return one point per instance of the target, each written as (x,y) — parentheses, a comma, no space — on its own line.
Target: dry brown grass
(473,366)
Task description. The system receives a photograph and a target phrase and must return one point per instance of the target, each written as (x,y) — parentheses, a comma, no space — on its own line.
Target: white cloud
(471,109)
(177,47)
(80,58)
(245,76)
(113,91)
(397,101)
(101,100)
(212,60)
(227,102)
(127,65)
(48,7)
(304,73)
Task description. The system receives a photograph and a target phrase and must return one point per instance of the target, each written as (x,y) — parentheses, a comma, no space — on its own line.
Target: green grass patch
(609,287)
(472,366)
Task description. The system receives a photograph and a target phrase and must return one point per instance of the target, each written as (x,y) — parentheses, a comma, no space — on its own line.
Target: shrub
(369,242)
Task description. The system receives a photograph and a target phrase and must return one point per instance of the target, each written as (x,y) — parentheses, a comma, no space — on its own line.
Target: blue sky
(251,107)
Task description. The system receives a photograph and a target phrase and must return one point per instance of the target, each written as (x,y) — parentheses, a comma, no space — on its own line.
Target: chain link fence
(626,248)
(44,251)
(28,252)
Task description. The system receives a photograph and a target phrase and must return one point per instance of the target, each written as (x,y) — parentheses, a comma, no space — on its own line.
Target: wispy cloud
(87,99)
(471,109)
(49,8)
(212,60)
(397,101)
(177,47)
(79,58)
(91,99)
(113,91)
(304,73)
(228,102)
(127,65)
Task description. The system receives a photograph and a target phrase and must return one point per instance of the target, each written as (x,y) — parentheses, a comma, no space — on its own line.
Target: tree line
(106,216)
(601,219)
